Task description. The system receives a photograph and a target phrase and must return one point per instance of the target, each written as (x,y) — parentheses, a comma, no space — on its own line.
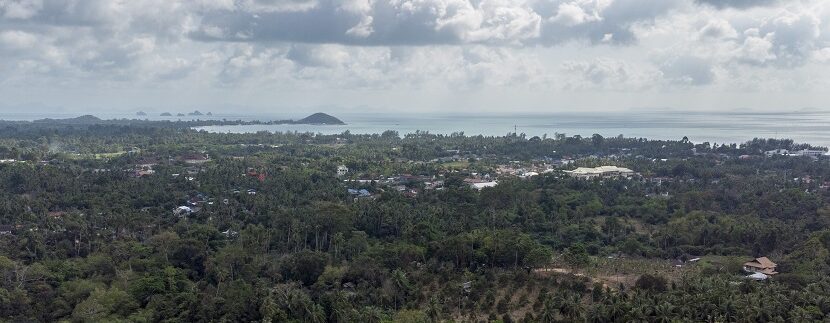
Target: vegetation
(95,232)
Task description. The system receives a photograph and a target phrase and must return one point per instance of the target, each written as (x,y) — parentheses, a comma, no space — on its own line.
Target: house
(360,192)
(142,173)
(196,158)
(761,265)
(342,170)
(771,153)
(182,211)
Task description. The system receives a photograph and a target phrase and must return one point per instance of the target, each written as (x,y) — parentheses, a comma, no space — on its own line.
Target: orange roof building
(761,265)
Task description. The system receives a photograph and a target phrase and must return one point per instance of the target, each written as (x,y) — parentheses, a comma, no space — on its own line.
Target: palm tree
(597,314)
(572,308)
(548,314)
(434,310)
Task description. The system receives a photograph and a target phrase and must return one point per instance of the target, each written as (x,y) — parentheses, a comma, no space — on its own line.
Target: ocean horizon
(812,127)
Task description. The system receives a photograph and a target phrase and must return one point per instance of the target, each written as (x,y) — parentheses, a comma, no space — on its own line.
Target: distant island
(166,114)
(90,120)
(321,119)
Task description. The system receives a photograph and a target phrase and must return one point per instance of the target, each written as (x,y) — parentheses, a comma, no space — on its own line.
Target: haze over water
(715,127)
(806,127)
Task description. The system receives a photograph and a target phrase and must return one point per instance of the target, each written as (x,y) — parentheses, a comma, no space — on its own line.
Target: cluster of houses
(526,171)
(408,185)
(194,204)
(143,168)
(360,194)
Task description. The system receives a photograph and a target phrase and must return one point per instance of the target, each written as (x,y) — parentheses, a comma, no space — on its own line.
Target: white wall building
(600,172)
(342,170)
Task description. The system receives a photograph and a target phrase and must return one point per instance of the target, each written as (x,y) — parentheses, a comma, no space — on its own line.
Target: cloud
(436,22)
(688,70)
(276,5)
(317,56)
(573,14)
(600,71)
(59,12)
(822,55)
(756,49)
(609,74)
(743,4)
(450,47)
(718,29)
(603,21)
(795,36)
(786,40)
(23,9)
(17,40)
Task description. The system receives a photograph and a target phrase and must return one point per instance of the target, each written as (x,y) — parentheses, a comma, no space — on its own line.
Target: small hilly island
(320,119)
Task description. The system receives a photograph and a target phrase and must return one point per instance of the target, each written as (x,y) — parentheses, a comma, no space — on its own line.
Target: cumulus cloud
(822,55)
(603,21)
(718,29)
(785,40)
(600,71)
(795,36)
(17,40)
(428,22)
(24,9)
(757,49)
(573,13)
(446,45)
(609,74)
(738,3)
(688,70)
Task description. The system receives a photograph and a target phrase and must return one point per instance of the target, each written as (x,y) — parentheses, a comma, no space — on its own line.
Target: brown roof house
(761,266)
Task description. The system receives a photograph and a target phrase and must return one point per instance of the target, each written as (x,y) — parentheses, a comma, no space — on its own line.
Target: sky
(417,56)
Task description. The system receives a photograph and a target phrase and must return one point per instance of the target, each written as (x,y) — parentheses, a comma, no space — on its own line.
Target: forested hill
(124,223)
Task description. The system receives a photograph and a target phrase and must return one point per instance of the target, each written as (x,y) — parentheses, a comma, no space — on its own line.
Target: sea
(812,127)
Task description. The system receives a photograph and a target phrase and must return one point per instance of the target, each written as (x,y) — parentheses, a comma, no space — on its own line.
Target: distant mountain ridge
(90,120)
(82,120)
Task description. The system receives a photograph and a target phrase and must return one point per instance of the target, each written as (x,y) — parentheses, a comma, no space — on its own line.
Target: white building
(808,152)
(796,153)
(342,170)
(182,211)
(482,185)
(600,172)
